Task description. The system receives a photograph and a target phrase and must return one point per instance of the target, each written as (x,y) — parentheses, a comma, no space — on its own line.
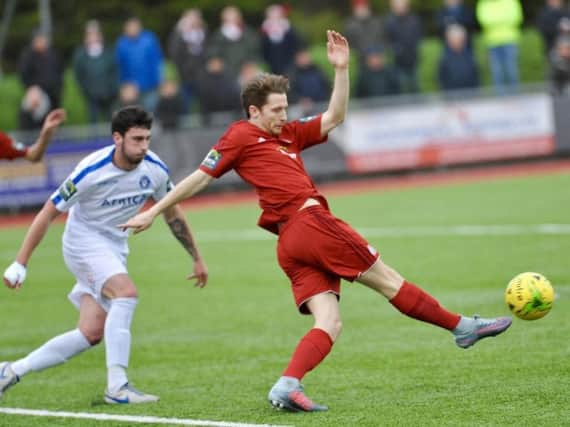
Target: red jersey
(272,164)
(10,149)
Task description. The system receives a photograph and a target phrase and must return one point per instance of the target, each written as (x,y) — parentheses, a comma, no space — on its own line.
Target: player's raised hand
(200,274)
(138,223)
(54,119)
(338,51)
(15,275)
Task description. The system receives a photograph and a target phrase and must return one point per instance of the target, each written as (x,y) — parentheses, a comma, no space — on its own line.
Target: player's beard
(132,160)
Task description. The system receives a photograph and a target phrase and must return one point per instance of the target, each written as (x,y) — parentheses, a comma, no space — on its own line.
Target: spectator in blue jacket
(457,66)
(140,61)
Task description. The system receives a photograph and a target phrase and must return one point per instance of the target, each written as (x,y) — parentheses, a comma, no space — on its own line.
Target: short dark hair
(130,117)
(255,92)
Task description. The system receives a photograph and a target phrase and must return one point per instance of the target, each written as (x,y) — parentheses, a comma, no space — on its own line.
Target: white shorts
(92,265)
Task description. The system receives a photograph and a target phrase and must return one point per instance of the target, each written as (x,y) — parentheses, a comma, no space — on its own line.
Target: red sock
(414,302)
(310,351)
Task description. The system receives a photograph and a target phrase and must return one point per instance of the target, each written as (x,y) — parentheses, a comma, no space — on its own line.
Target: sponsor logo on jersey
(284,150)
(67,190)
(212,159)
(125,201)
(144,182)
(307,119)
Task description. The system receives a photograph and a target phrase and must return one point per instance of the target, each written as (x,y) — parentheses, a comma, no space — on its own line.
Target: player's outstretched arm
(190,185)
(52,121)
(15,275)
(175,219)
(338,53)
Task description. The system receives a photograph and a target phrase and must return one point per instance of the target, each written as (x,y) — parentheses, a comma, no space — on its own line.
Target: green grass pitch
(213,354)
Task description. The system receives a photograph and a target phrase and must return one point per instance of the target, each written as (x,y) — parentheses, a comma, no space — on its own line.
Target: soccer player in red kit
(10,149)
(315,249)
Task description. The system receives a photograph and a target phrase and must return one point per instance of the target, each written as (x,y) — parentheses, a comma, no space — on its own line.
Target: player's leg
(123,296)
(60,348)
(307,250)
(418,304)
(91,319)
(287,393)
(342,251)
(317,343)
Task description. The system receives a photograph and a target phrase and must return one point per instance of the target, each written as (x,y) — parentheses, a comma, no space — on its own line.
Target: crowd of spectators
(211,64)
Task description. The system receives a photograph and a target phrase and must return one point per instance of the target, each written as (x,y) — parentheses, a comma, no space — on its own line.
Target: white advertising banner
(401,137)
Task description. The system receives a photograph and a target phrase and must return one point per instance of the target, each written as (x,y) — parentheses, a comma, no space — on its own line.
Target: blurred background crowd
(200,63)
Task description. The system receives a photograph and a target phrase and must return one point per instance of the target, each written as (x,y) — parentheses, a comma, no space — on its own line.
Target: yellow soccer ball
(529,296)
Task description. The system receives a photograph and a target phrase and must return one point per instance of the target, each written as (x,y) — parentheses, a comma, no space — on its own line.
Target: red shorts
(316,249)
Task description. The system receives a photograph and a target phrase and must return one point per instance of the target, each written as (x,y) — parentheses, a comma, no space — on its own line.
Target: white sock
(288,383)
(465,325)
(118,341)
(54,352)
(116,378)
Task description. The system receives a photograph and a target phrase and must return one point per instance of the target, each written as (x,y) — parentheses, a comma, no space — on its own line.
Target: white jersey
(99,196)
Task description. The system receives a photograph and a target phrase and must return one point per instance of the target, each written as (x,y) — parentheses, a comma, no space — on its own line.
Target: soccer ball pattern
(529,296)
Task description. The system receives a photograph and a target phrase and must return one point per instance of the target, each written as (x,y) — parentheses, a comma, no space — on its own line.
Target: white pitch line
(469,230)
(404,231)
(127,418)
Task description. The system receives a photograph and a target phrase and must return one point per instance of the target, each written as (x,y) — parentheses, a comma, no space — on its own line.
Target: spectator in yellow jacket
(501,21)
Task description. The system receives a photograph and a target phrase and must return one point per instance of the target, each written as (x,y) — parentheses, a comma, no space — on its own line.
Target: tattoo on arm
(181,231)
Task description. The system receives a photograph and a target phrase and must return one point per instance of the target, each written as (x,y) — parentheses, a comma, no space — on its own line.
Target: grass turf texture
(214,353)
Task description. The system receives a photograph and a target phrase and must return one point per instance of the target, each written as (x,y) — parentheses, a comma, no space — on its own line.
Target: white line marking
(404,231)
(127,418)
(469,230)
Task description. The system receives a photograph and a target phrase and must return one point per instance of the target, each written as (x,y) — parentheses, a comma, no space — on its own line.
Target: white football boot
(127,394)
(7,377)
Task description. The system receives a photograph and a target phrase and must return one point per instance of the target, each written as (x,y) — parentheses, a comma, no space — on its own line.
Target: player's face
(133,146)
(273,115)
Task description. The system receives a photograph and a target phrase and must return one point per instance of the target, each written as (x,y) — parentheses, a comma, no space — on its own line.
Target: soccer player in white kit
(106,188)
